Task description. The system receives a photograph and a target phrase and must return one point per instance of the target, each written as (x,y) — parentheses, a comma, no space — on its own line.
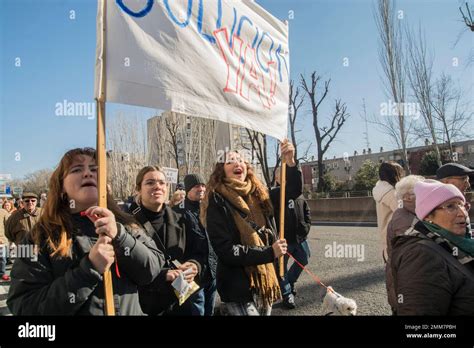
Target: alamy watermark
(37,331)
(347,251)
(405,109)
(21,251)
(246,155)
(74,109)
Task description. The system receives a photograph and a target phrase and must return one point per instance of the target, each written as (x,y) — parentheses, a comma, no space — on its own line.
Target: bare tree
(36,182)
(276,152)
(294,106)
(126,155)
(173,126)
(419,71)
(450,110)
(325,135)
(468,25)
(259,147)
(467,17)
(199,151)
(261,150)
(391,57)
(189,142)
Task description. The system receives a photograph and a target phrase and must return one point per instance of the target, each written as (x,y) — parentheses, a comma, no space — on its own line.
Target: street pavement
(360,277)
(4,286)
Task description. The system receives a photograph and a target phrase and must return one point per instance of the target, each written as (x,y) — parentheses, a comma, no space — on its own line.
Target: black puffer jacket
(71,286)
(428,279)
(233,284)
(158,298)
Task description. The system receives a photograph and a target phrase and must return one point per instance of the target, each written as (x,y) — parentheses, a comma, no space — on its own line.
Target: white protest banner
(171,175)
(219,59)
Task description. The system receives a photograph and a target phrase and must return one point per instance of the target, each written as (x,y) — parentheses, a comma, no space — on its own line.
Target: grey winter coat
(71,286)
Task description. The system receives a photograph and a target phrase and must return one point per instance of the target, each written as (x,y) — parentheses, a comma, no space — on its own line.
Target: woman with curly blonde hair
(238,213)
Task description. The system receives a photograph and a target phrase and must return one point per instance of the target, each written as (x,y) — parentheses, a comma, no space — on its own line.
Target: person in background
(433,261)
(43,198)
(402,219)
(177,198)
(8,206)
(4,245)
(19,204)
(297,227)
(457,175)
(22,221)
(385,200)
(202,303)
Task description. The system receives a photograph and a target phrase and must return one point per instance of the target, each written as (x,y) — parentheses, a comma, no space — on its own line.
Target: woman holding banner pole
(78,241)
(239,216)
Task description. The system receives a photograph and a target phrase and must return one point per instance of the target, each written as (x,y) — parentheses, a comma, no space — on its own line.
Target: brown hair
(217,178)
(141,174)
(12,206)
(55,225)
(390,172)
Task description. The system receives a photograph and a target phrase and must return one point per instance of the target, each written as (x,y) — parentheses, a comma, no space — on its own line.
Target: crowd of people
(220,236)
(427,240)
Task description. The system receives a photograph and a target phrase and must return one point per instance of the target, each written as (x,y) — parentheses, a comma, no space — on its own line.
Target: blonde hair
(177,197)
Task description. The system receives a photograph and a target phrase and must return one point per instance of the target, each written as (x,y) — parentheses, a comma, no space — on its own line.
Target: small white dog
(336,304)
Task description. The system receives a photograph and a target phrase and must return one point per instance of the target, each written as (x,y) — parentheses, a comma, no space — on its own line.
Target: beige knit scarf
(263,278)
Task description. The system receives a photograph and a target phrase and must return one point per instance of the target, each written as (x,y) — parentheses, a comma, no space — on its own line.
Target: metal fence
(338,194)
(352,194)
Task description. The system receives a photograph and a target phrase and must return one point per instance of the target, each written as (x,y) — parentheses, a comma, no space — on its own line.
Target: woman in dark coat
(238,213)
(432,263)
(167,228)
(77,242)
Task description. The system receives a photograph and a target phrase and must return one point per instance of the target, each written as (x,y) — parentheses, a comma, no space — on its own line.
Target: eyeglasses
(452,208)
(29,200)
(154,182)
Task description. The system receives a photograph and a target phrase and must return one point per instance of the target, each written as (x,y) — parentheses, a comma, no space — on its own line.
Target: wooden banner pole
(282,211)
(102,162)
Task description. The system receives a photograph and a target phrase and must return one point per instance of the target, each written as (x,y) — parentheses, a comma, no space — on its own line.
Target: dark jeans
(302,253)
(3,259)
(203,301)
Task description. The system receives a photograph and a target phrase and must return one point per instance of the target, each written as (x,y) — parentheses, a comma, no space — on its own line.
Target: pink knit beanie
(430,195)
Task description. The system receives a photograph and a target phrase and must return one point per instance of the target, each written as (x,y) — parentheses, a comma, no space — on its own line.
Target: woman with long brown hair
(77,242)
(239,216)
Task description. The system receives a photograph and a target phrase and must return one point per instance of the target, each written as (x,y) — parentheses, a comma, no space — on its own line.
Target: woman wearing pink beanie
(433,262)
